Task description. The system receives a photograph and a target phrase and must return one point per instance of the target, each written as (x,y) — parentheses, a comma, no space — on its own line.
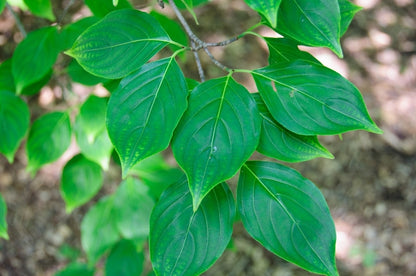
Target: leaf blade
(3,222)
(268,9)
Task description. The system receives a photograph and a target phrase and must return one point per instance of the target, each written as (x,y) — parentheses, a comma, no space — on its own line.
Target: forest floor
(370,186)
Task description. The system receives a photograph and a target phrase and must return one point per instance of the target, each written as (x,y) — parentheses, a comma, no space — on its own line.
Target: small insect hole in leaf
(274,87)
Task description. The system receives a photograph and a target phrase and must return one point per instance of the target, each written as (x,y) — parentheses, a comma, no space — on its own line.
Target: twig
(65,11)
(198,64)
(215,61)
(17,20)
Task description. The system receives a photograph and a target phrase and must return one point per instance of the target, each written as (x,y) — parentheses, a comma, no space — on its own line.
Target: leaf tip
(4,236)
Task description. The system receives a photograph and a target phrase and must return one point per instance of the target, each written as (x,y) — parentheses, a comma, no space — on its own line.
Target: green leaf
(348,11)
(3,222)
(132,209)
(145,109)
(41,8)
(35,87)
(27,67)
(72,31)
(14,123)
(267,8)
(119,44)
(282,144)
(186,243)
(310,99)
(78,74)
(288,215)
(313,23)
(98,230)
(81,180)
(49,137)
(217,134)
(6,76)
(124,260)
(2,5)
(101,8)
(18,3)
(283,50)
(76,269)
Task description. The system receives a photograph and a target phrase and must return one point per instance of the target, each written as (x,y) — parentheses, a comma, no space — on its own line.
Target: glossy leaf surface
(14,123)
(72,31)
(280,143)
(81,180)
(76,269)
(348,10)
(101,8)
(49,137)
(145,109)
(98,230)
(312,23)
(267,8)
(288,215)
(217,134)
(3,222)
(27,67)
(124,260)
(119,44)
(283,50)
(132,209)
(41,8)
(186,243)
(310,99)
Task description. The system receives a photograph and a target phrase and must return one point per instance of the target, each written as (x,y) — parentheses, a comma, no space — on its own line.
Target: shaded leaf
(119,44)
(41,8)
(76,269)
(14,123)
(145,109)
(81,180)
(267,8)
(283,50)
(348,10)
(312,23)
(217,134)
(3,222)
(310,99)
(124,260)
(282,144)
(6,76)
(186,243)
(49,137)
(288,215)
(78,74)
(101,8)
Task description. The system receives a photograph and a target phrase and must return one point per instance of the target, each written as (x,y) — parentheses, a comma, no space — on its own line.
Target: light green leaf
(312,23)
(124,260)
(115,3)
(310,99)
(27,67)
(18,3)
(145,109)
(217,134)
(283,50)
(132,209)
(72,31)
(78,74)
(119,44)
(288,215)
(348,10)
(267,8)
(186,243)
(101,8)
(49,137)
(41,8)
(14,123)
(3,222)
(76,269)
(280,143)
(81,180)
(98,230)
(6,76)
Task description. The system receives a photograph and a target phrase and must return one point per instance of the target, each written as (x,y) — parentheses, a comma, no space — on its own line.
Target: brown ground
(370,186)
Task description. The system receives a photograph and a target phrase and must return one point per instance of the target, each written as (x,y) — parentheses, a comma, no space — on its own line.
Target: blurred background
(370,186)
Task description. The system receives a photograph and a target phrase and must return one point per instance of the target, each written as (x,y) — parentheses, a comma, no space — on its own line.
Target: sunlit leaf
(288,215)
(72,31)
(267,8)
(186,243)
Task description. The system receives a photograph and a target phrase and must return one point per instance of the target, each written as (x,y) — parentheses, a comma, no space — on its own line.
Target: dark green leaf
(119,44)
(310,99)
(101,8)
(186,243)
(81,180)
(282,144)
(283,50)
(35,87)
(28,67)
(76,269)
(49,137)
(288,215)
(217,134)
(132,209)
(267,8)
(313,23)
(6,76)
(72,31)
(124,260)
(98,230)
(3,222)
(145,109)
(14,123)
(78,74)
(41,8)
(348,10)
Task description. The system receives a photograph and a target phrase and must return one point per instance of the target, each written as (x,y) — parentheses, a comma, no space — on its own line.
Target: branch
(17,20)
(198,64)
